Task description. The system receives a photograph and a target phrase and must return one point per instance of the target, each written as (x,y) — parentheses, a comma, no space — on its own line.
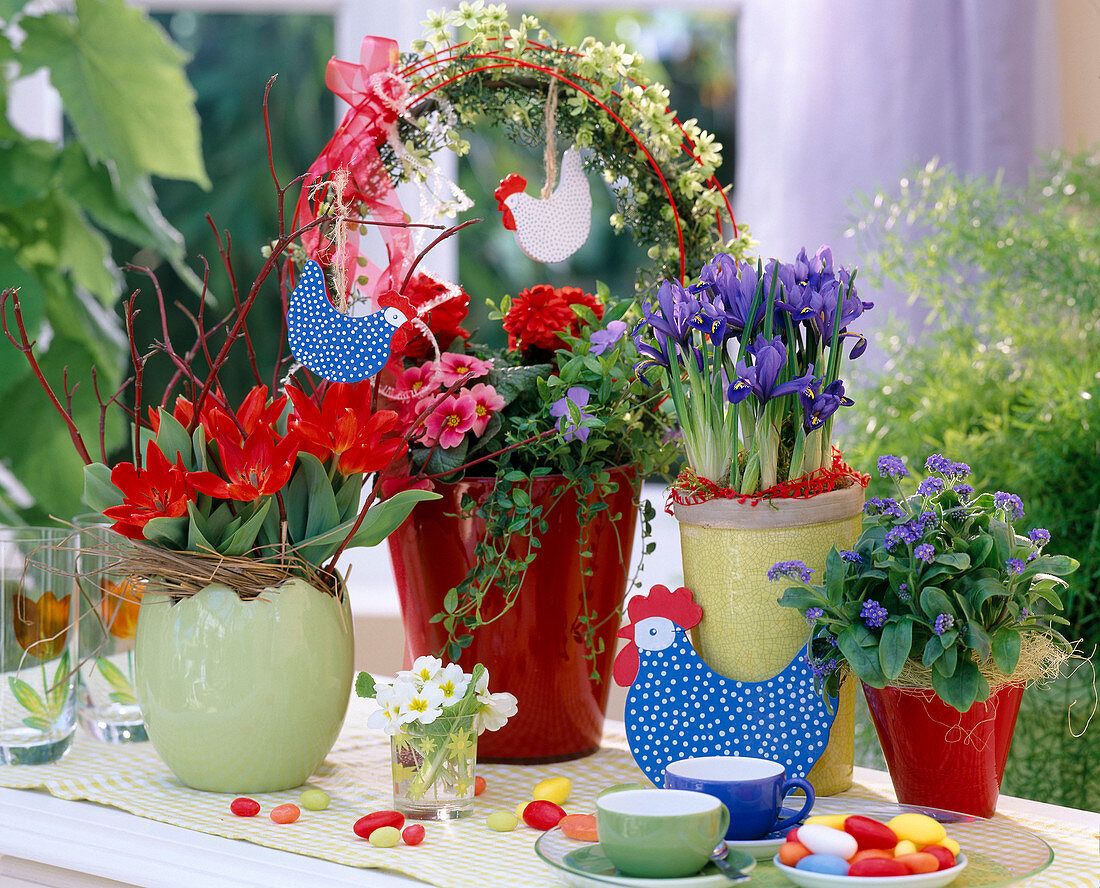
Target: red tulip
(259,466)
(157,490)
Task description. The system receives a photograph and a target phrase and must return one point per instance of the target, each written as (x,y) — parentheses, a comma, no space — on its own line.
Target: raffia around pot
(727,548)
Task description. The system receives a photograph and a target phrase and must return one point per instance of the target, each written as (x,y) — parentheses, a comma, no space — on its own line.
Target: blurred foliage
(129,115)
(1004,376)
(691,53)
(232,58)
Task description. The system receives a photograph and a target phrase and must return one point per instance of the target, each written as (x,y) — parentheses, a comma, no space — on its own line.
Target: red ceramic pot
(536,649)
(940,757)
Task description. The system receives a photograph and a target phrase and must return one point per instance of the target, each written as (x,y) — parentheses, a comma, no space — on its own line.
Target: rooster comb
(678,606)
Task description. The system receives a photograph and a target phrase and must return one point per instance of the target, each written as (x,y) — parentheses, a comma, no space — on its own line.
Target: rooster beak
(626,631)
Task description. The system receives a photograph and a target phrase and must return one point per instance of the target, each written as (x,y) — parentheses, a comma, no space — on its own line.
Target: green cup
(660,833)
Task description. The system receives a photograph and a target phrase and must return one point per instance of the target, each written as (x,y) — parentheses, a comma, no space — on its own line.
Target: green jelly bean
(384,837)
(314,800)
(502,821)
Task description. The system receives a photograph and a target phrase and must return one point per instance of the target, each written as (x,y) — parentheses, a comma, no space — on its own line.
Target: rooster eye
(653,631)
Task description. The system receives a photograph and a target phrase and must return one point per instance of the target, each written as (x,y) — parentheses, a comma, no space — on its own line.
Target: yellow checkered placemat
(356,775)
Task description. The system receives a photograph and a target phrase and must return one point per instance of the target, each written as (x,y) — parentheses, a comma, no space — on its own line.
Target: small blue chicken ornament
(678,707)
(336,346)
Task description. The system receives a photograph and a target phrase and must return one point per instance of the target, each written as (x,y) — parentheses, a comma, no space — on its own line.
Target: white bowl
(807,879)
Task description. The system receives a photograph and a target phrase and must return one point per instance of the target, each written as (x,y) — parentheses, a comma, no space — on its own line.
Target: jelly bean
(285,813)
(622,787)
(950,844)
(920,829)
(919,862)
(581,827)
(870,833)
(836,821)
(871,854)
(479,785)
(824,863)
(792,852)
(502,821)
(314,799)
(828,841)
(542,814)
(413,835)
(519,809)
(944,855)
(244,807)
(553,789)
(905,847)
(384,837)
(877,866)
(367,824)
(792,836)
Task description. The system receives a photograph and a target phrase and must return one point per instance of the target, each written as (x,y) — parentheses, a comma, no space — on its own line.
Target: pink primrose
(462,368)
(449,421)
(487,402)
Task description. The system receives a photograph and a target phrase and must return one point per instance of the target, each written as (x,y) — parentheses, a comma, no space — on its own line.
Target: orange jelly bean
(581,827)
(792,852)
(286,813)
(479,785)
(919,862)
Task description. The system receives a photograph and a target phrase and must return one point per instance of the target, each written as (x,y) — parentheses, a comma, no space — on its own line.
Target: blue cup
(753,789)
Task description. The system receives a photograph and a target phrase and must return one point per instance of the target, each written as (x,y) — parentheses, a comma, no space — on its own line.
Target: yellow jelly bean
(905,847)
(920,829)
(950,844)
(314,799)
(553,789)
(384,837)
(836,821)
(502,821)
(520,807)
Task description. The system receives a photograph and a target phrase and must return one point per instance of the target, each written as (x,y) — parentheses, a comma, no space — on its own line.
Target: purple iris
(711,320)
(652,357)
(676,307)
(733,285)
(762,378)
(602,340)
(578,396)
(819,404)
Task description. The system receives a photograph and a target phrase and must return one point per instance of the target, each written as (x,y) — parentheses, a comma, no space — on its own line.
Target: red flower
(158,490)
(444,318)
(183,413)
(362,440)
(258,466)
(253,413)
(540,314)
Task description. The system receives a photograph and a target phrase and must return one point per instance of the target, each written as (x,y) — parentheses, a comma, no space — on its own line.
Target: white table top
(46,841)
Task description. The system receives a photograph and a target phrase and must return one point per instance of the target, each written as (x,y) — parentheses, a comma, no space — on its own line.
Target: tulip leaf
(385,517)
(1006,650)
(322,512)
(99,492)
(894,646)
(115,677)
(198,531)
(244,536)
(27,696)
(62,682)
(172,439)
(169,532)
(347,497)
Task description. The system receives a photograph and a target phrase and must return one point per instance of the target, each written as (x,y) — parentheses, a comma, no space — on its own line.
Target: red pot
(940,757)
(536,649)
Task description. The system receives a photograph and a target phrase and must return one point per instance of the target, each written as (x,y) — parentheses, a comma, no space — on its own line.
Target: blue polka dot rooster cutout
(336,346)
(678,707)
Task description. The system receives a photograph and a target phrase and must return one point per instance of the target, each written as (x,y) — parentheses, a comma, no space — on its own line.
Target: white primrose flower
(493,709)
(425,669)
(391,709)
(452,682)
(423,705)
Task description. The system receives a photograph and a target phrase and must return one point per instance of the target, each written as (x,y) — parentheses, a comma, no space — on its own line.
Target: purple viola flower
(792,570)
(1014,566)
(959,470)
(578,396)
(821,668)
(762,377)
(1039,535)
(894,536)
(852,557)
(873,614)
(601,340)
(925,552)
(930,487)
(813,614)
(963,491)
(883,506)
(943,623)
(891,467)
(937,463)
(818,405)
(1008,503)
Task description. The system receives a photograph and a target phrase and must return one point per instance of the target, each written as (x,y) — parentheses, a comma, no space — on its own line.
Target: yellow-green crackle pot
(727,549)
(244,696)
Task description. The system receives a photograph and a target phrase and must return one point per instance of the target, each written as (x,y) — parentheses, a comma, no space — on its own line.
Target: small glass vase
(434,767)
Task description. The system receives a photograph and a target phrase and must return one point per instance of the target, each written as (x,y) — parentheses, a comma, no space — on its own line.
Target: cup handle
(796,783)
(725,824)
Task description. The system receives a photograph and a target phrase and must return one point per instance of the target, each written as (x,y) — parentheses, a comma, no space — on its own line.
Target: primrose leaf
(365,685)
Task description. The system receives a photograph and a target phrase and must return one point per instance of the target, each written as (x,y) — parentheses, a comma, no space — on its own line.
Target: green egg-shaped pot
(244,696)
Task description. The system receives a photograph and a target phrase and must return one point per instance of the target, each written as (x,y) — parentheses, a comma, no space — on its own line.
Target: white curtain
(839,97)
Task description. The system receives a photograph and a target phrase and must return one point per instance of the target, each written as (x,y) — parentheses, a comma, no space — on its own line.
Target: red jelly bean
(285,813)
(792,852)
(878,866)
(479,785)
(244,807)
(413,835)
(870,833)
(792,836)
(944,855)
(869,853)
(919,862)
(367,824)
(542,814)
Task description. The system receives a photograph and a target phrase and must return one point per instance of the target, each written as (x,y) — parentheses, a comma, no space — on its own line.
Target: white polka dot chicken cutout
(551,229)
(678,707)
